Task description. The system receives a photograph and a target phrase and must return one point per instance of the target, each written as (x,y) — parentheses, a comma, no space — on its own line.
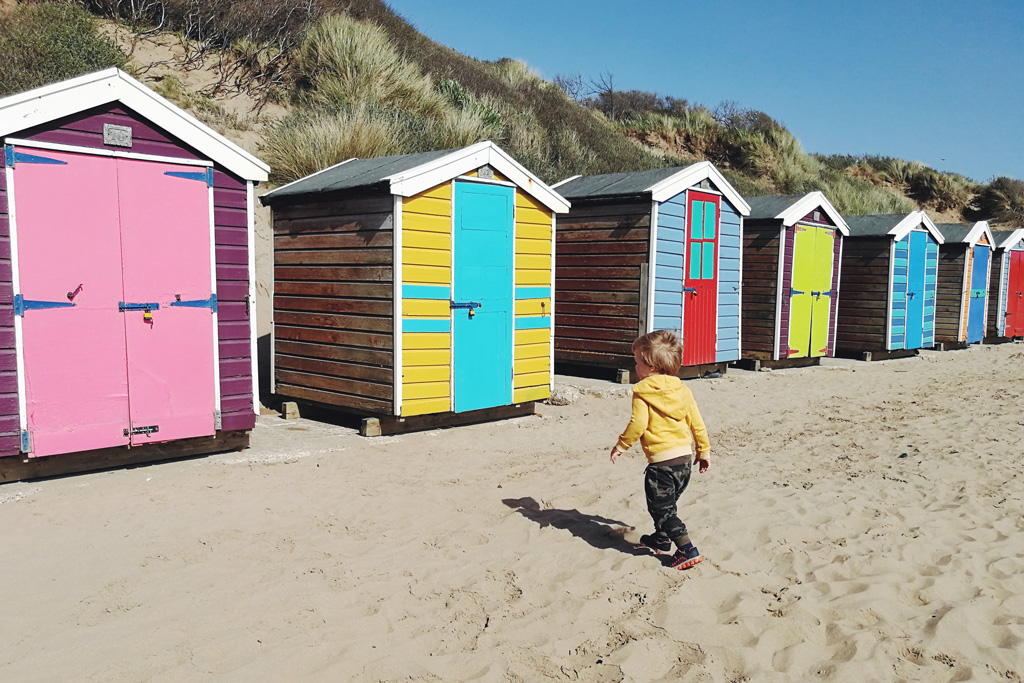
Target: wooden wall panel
(761,255)
(600,250)
(333,302)
(949,294)
(10,428)
(862,317)
(533,277)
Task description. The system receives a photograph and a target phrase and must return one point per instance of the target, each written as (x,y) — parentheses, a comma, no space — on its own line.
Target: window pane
(695,259)
(709,220)
(708,261)
(696,220)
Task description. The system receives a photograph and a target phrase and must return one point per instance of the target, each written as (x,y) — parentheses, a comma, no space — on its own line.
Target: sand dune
(860,522)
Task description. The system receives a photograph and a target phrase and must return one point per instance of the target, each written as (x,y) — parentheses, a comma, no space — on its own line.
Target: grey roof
(615,184)
(1001,236)
(873,225)
(353,174)
(770,207)
(954,232)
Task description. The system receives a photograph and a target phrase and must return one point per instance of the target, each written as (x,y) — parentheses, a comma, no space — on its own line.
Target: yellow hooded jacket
(664,416)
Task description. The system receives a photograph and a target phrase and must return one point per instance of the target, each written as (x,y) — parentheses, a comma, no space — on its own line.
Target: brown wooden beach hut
(964,273)
(890,266)
(646,251)
(415,289)
(792,247)
(1006,287)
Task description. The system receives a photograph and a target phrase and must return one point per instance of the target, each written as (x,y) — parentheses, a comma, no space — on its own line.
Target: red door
(1015,296)
(700,284)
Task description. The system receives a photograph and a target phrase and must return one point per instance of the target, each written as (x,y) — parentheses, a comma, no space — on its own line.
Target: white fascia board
(912,220)
(563,182)
(690,176)
(808,203)
(415,180)
(42,105)
(1013,240)
(980,228)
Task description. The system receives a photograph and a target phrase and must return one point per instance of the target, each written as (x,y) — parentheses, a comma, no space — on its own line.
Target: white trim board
(49,103)
(425,176)
(692,175)
(1013,240)
(808,203)
(911,221)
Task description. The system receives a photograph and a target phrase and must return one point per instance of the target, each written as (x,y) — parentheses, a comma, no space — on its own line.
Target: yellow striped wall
(426,260)
(532,363)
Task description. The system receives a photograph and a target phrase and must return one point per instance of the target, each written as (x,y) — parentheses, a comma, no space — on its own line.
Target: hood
(665,393)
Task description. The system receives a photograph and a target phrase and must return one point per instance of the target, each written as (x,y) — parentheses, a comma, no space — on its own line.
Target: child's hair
(661,350)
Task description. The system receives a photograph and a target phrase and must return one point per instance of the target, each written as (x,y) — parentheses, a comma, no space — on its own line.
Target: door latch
(471,305)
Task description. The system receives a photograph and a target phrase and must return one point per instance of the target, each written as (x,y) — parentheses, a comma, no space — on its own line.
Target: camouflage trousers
(663,485)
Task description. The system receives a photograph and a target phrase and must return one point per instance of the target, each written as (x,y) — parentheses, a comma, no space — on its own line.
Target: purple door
(76,384)
(167,264)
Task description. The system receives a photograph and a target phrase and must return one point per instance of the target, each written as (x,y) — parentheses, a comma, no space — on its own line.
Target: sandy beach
(860,522)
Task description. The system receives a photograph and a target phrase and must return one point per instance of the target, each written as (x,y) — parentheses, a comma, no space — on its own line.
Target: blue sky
(933,81)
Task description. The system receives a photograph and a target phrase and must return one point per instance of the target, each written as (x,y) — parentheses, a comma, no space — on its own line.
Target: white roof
(1013,240)
(808,203)
(461,161)
(693,174)
(51,102)
(913,220)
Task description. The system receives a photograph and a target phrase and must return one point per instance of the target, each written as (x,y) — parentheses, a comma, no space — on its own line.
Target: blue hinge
(21,304)
(122,306)
(210,303)
(13,158)
(25,441)
(794,292)
(202,176)
(690,289)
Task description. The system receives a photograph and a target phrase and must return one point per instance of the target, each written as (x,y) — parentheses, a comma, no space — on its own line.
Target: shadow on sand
(600,532)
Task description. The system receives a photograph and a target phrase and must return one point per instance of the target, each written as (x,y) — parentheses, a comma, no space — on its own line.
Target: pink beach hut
(127,324)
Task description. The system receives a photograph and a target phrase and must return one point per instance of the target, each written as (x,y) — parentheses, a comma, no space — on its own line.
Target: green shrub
(1002,201)
(307,142)
(343,62)
(51,42)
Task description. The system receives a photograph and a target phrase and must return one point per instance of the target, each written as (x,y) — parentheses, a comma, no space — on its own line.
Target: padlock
(147,316)
(472,312)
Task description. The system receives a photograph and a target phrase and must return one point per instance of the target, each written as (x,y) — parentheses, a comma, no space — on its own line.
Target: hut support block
(17,468)
(385,426)
(756,364)
(290,410)
(622,376)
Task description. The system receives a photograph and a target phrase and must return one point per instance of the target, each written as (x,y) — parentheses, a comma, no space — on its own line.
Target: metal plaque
(152,429)
(117,136)
(485,172)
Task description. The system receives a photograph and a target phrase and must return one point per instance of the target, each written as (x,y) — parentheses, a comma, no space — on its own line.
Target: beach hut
(1006,287)
(126,301)
(889,268)
(646,251)
(415,290)
(792,247)
(962,296)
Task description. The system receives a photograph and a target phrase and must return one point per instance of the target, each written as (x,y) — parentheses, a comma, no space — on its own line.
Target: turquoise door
(482,309)
(915,290)
(976,302)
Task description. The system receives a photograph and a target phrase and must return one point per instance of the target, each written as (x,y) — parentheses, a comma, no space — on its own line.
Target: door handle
(470,305)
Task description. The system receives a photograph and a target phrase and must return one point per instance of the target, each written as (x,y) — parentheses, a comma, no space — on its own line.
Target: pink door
(166,253)
(76,384)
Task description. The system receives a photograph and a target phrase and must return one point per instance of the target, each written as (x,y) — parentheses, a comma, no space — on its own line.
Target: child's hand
(615,453)
(702,465)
